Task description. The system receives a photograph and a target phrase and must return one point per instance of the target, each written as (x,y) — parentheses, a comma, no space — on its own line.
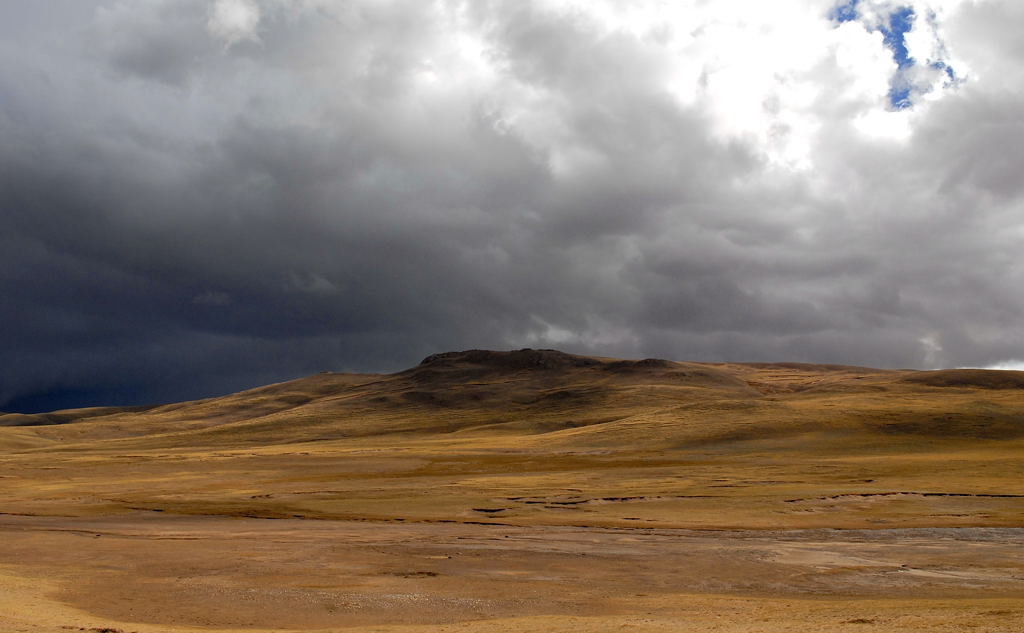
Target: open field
(528,491)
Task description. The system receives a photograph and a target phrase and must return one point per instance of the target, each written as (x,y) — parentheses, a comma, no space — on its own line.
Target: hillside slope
(544,437)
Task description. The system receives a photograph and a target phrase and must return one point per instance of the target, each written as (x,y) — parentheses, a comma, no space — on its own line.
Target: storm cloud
(199,196)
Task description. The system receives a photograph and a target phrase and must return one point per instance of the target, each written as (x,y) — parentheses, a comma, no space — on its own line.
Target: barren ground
(528,492)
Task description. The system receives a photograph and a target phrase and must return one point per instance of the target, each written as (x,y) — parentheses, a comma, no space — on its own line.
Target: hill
(541,436)
(529,490)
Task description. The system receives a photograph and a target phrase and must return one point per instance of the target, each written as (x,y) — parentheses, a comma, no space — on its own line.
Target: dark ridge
(66,416)
(635,365)
(518,359)
(28,419)
(981,378)
(452,368)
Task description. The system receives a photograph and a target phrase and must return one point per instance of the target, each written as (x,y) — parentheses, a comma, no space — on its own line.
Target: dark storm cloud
(198,197)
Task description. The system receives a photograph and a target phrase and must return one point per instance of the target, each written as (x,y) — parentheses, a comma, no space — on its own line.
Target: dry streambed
(150,571)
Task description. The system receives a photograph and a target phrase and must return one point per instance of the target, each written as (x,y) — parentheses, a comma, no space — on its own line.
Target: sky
(199,196)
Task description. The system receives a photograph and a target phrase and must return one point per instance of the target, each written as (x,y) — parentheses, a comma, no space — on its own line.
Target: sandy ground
(149,573)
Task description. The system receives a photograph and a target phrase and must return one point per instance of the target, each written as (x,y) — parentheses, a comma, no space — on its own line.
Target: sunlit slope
(542,437)
(521,392)
(549,398)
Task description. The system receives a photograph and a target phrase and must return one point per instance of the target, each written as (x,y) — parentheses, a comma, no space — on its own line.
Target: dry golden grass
(535,443)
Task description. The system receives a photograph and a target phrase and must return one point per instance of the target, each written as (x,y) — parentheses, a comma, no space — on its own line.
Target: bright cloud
(234,20)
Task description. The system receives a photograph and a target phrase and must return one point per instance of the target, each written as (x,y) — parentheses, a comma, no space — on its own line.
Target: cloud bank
(197,197)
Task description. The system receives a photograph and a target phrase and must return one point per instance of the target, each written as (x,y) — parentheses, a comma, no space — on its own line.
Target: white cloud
(234,20)
(1015,365)
(885,124)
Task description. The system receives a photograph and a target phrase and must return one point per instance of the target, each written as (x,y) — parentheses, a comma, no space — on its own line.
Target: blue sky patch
(899,93)
(900,22)
(893,31)
(950,73)
(845,12)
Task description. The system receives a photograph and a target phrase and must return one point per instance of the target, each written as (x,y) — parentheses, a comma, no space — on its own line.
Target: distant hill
(570,400)
(541,437)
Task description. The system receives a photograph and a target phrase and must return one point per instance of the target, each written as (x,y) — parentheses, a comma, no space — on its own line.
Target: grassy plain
(528,491)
